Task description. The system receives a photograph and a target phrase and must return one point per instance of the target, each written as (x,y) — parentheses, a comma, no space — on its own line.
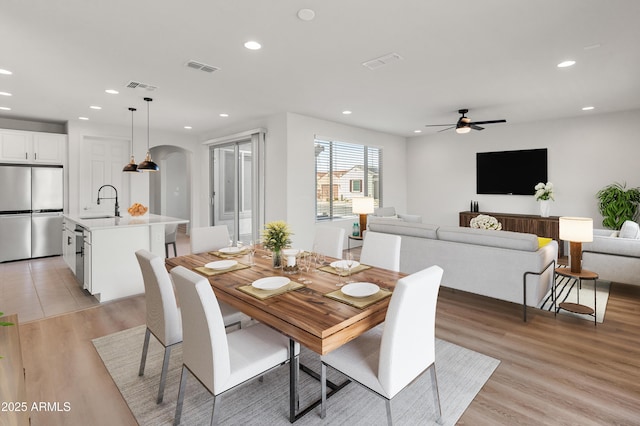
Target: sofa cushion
(384,211)
(489,237)
(413,218)
(630,229)
(399,227)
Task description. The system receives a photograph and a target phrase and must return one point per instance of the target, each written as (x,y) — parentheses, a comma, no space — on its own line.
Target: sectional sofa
(497,264)
(614,256)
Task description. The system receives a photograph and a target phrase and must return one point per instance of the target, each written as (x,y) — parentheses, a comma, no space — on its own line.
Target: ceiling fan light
(464,129)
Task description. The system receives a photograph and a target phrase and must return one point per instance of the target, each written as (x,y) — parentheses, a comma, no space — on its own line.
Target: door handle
(68,240)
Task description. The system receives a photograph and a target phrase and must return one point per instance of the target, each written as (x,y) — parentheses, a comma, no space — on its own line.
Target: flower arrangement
(544,191)
(484,221)
(276,235)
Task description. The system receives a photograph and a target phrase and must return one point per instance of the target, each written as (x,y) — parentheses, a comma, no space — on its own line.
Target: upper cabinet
(17,146)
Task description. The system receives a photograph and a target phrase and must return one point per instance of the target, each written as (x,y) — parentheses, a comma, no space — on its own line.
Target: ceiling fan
(464,124)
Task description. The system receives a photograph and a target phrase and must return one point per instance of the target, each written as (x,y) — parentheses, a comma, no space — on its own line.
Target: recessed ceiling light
(95,107)
(252,45)
(188,127)
(587,108)
(112,91)
(5,94)
(83,118)
(224,114)
(5,108)
(5,72)
(346,112)
(565,64)
(417,131)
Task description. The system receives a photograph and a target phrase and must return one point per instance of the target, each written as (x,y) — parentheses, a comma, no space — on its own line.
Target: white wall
(300,171)
(584,155)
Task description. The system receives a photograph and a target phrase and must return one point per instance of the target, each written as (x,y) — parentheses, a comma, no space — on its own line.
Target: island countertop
(93,222)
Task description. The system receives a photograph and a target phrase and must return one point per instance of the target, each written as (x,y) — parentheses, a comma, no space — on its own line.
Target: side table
(578,277)
(352,237)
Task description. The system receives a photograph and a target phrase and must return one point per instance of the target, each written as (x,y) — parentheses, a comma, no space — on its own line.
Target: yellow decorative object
(542,241)
(137,209)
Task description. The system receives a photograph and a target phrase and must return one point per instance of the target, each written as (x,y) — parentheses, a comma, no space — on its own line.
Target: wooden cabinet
(17,146)
(13,389)
(531,224)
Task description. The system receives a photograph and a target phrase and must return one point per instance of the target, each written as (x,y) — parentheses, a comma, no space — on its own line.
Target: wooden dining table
(305,315)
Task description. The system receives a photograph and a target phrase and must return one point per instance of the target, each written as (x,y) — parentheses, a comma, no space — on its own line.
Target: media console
(531,224)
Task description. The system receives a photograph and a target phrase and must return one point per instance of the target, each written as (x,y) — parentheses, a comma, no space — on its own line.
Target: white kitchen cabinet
(69,245)
(17,146)
(88,263)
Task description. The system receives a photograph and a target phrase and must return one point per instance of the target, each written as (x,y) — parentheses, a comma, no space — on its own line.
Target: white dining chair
(209,238)
(170,232)
(163,315)
(329,240)
(381,250)
(218,360)
(387,359)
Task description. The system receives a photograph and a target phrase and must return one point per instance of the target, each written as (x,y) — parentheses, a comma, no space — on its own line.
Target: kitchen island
(100,250)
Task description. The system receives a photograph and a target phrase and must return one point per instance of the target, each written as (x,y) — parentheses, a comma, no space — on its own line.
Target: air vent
(382,61)
(202,67)
(137,85)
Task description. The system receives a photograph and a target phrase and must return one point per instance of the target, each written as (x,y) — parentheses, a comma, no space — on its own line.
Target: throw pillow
(414,218)
(543,241)
(630,229)
(614,234)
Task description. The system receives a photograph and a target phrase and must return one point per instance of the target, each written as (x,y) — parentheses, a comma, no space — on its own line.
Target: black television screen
(510,172)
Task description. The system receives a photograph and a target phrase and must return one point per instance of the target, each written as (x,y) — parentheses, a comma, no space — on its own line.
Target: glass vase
(276,258)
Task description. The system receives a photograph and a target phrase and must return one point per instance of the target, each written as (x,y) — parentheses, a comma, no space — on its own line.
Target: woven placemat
(210,272)
(265,294)
(359,302)
(229,255)
(330,269)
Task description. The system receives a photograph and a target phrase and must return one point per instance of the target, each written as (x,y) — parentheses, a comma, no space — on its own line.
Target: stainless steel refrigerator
(31,203)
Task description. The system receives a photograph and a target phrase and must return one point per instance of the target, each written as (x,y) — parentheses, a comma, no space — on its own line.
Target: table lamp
(362,206)
(576,230)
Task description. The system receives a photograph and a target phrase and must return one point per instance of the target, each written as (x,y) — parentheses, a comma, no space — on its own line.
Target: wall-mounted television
(510,172)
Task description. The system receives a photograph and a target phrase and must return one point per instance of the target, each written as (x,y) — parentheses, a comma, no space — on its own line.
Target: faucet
(117,211)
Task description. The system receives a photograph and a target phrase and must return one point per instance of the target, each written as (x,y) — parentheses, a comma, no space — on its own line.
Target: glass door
(234,189)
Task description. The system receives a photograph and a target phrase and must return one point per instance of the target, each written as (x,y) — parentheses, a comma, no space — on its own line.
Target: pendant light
(132,166)
(148,165)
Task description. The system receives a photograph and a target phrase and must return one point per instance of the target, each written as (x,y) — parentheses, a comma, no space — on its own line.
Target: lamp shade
(362,205)
(576,229)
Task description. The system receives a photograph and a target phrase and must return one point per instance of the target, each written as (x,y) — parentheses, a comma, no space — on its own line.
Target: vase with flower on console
(545,207)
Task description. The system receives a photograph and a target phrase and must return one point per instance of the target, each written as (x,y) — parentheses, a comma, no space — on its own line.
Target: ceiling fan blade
(438,125)
(489,122)
(474,127)
(448,128)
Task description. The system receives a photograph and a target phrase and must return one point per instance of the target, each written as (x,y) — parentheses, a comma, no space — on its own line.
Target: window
(344,171)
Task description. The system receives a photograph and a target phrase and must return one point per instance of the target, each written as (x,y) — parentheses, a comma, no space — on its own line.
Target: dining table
(314,313)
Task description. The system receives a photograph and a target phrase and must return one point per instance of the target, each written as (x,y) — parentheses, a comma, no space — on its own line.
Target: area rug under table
(461,374)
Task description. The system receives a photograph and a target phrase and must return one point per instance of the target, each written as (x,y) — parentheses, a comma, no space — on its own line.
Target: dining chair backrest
(205,350)
(170,231)
(329,240)
(408,341)
(209,238)
(163,317)
(381,250)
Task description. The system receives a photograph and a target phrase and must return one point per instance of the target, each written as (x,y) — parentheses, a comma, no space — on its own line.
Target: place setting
(221,267)
(267,287)
(359,294)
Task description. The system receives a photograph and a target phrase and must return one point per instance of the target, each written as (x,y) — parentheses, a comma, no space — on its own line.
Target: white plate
(360,289)
(221,264)
(271,283)
(230,250)
(337,264)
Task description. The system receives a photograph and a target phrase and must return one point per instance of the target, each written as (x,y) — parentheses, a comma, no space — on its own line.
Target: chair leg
(323,389)
(175,252)
(213,412)
(436,393)
(389,418)
(145,348)
(163,374)
(183,383)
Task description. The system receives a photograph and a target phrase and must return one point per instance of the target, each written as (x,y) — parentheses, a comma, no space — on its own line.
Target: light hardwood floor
(553,371)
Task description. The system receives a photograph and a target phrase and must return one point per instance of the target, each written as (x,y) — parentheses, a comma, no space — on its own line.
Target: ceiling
(496,57)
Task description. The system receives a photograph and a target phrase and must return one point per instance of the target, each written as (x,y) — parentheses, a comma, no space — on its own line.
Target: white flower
(483,221)
(544,191)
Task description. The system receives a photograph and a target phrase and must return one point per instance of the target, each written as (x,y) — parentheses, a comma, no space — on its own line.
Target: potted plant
(276,236)
(617,204)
